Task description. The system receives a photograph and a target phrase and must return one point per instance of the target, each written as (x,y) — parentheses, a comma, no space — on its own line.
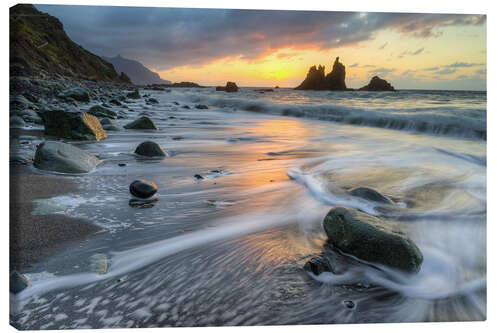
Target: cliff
(39,45)
(138,73)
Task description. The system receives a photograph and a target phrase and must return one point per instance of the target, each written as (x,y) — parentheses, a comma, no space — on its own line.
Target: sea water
(229,249)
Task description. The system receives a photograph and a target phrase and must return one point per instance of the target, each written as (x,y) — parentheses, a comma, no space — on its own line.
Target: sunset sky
(268,48)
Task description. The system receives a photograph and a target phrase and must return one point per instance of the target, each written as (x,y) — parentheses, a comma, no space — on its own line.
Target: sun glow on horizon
(457,55)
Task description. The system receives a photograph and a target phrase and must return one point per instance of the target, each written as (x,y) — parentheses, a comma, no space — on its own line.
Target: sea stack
(316,79)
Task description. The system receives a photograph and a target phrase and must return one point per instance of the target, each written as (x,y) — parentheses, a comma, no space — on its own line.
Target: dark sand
(34,237)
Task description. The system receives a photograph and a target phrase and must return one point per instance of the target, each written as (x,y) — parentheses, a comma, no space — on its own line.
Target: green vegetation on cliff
(38,43)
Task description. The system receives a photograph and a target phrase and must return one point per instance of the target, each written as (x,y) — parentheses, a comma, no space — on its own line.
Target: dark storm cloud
(169,37)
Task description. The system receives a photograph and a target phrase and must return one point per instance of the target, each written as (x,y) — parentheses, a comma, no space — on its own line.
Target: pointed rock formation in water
(377,84)
(316,79)
(336,79)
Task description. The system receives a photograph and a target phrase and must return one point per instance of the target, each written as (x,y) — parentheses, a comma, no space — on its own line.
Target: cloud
(410,53)
(463,64)
(383,46)
(354,65)
(445,71)
(481,72)
(431,69)
(381,71)
(163,38)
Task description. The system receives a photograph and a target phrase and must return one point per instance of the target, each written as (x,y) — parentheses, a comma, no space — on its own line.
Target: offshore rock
(377,84)
(316,79)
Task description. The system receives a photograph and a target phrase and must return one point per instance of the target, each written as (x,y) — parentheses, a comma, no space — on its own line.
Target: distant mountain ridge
(39,44)
(138,73)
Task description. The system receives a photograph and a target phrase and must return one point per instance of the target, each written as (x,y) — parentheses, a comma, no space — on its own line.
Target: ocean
(229,249)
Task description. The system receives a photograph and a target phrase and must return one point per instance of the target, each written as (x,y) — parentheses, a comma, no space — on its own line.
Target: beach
(242,194)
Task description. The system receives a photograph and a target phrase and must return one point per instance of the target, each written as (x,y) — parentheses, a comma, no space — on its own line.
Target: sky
(269,48)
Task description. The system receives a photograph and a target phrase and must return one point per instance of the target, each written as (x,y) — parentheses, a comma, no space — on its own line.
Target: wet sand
(34,237)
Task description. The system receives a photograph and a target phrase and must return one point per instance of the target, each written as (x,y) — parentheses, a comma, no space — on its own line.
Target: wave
(437,121)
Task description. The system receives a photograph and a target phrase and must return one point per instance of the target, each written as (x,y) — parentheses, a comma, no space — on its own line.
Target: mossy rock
(77,93)
(134,95)
(371,239)
(142,123)
(102,112)
(73,125)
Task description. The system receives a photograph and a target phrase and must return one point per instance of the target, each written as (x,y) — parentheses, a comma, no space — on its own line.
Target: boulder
(77,93)
(134,95)
(16,122)
(73,124)
(150,149)
(370,194)
(377,84)
(230,87)
(142,123)
(371,239)
(318,265)
(151,100)
(102,112)
(18,282)
(62,157)
(143,189)
(110,125)
(20,102)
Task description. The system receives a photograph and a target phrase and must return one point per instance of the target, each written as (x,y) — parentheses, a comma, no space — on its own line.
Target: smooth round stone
(349,304)
(143,189)
(150,149)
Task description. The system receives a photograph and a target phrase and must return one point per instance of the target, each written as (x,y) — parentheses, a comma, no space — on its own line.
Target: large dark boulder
(371,239)
(150,149)
(377,84)
(73,124)
(102,112)
(316,79)
(77,93)
(62,157)
(142,123)
(143,189)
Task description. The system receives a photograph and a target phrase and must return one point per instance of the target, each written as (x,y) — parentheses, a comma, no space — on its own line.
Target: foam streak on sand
(134,259)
